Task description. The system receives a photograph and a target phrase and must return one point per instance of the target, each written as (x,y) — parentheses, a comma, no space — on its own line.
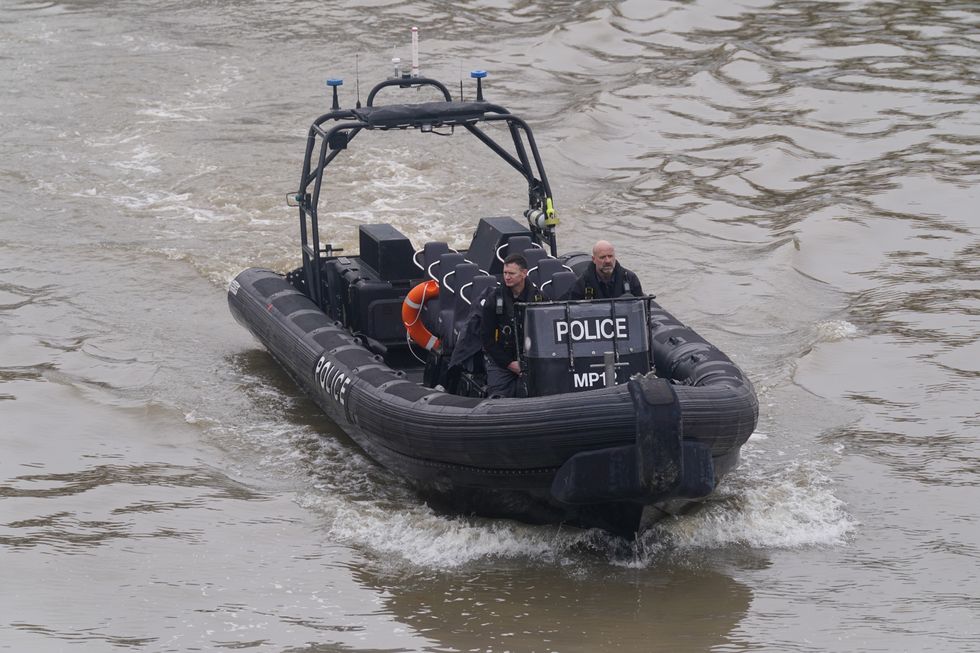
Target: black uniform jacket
(500,331)
(590,286)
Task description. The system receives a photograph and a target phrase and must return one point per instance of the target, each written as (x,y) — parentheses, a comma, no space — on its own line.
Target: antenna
(460,81)
(415,52)
(357,81)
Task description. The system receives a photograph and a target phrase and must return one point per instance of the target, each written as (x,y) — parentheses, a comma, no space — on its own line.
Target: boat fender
(412,313)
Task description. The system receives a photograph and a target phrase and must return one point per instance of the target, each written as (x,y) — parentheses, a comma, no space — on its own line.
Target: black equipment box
(363,303)
(490,234)
(387,251)
(565,344)
(377,310)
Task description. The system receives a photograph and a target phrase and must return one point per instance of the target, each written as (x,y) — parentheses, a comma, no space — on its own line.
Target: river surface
(799,181)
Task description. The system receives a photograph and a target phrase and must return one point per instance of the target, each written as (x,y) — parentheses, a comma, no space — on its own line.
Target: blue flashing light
(335,82)
(478,74)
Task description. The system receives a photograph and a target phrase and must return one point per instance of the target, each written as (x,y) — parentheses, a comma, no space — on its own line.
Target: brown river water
(799,181)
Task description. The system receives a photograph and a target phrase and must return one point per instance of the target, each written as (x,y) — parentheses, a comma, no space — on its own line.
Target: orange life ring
(412,314)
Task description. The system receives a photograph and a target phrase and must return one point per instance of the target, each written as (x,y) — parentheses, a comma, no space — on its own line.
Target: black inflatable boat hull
(571,458)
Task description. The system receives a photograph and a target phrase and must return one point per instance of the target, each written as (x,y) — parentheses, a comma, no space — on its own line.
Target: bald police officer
(605,278)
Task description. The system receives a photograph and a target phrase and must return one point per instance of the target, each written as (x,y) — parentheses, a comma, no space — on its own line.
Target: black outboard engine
(569,346)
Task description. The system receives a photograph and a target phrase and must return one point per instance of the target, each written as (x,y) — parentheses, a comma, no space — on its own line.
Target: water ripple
(72,483)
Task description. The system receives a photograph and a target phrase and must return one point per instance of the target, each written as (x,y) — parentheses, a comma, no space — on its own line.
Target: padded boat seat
(534,256)
(542,273)
(430,252)
(514,245)
(462,275)
(446,264)
(480,285)
(560,284)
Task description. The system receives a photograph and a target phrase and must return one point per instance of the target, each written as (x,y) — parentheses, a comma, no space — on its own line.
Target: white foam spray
(834,330)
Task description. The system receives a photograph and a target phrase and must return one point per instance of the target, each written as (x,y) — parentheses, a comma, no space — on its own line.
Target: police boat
(629,415)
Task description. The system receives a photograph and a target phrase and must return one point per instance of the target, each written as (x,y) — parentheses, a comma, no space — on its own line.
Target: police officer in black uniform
(605,278)
(500,327)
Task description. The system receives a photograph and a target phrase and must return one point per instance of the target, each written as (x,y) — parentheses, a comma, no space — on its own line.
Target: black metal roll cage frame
(425,117)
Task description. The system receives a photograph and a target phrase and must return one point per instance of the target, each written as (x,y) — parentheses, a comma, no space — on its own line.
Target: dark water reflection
(555,609)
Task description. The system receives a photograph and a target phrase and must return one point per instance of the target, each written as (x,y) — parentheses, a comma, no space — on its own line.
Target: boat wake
(775,510)
(768,509)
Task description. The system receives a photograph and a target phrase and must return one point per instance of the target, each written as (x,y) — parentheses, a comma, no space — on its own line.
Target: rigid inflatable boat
(629,415)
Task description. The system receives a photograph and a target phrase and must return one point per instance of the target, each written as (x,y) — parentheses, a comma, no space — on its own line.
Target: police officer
(500,327)
(605,278)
